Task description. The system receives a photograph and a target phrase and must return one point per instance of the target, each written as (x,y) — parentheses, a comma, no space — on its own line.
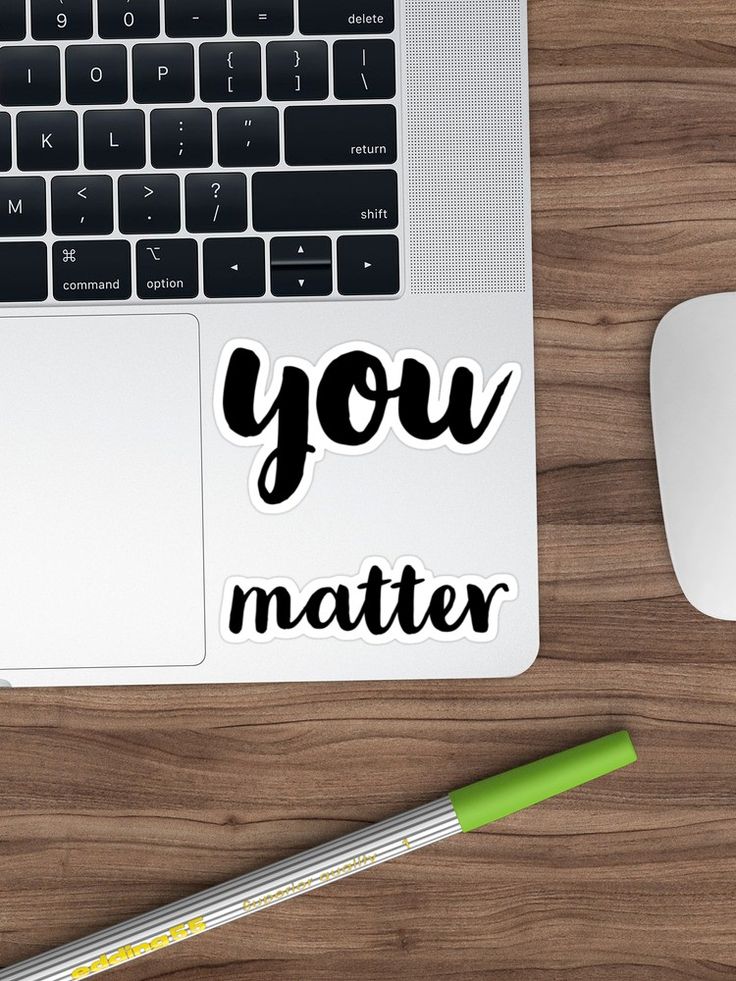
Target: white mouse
(693,392)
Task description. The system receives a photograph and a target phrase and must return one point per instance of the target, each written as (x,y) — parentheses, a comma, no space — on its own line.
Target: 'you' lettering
(348,403)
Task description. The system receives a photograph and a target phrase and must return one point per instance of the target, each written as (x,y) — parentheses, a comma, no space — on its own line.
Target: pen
(461,810)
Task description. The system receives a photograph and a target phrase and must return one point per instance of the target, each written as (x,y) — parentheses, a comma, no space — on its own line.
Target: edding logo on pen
(348,403)
(129,952)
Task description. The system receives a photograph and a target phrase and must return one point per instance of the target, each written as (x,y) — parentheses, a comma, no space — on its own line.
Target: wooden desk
(115,801)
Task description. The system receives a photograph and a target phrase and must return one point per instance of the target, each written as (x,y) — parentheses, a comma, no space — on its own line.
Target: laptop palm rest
(100,496)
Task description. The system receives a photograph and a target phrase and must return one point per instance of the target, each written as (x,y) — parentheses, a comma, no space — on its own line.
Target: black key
(163,73)
(216,203)
(114,139)
(167,269)
(368,265)
(301,251)
(341,17)
(252,18)
(181,138)
(12,20)
(196,18)
(248,137)
(22,208)
(234,267)
(317,135)
(24,274)
(61,20)
(313,201)
(230,72)
(92,270)
(149,204)
(301,266)
(48,140)
(129,18)
(81,205)
(6,154)
(96,74)
(30,76)
(365,69)
(297,71)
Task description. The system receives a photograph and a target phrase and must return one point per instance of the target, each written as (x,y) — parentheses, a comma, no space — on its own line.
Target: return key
(319,135)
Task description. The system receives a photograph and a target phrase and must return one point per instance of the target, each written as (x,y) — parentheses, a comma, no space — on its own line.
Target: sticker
(382,603)
(348,403)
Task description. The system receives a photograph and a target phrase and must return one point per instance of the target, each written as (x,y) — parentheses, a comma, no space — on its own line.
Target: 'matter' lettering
(382,603)
(348,403)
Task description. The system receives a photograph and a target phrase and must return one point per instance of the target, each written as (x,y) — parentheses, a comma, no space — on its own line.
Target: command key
(92,270)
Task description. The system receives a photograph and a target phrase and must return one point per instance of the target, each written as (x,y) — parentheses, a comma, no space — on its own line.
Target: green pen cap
(495,797)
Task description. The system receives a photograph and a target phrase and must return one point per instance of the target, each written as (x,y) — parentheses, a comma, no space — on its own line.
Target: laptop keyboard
(169,150)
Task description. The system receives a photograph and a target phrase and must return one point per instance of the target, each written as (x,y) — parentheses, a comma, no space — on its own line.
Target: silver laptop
(266,377)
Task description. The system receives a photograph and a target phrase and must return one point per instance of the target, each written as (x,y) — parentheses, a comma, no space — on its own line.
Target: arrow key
(81,205)
(234,268)
(301,266)
(368,265)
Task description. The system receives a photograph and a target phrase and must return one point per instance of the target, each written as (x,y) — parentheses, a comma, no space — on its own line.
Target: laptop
(266,349)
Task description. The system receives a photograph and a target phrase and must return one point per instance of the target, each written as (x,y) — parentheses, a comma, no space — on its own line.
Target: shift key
(323,201)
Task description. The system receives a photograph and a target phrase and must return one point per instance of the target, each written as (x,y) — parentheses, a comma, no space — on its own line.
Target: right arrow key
(368,265)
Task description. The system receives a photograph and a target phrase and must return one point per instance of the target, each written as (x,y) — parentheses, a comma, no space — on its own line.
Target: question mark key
(216,203)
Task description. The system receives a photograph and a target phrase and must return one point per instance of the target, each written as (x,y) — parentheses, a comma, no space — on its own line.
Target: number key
(60,20)
(129,18)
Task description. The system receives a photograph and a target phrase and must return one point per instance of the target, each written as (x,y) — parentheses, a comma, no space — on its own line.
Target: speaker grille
(466,102)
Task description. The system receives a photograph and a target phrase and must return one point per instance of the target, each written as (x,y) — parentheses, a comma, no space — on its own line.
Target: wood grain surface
(115,801)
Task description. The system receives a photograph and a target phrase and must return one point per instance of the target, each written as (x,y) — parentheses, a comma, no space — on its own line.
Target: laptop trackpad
(101,561)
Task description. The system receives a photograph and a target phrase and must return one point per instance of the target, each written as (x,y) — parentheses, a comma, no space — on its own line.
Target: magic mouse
(693,394)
